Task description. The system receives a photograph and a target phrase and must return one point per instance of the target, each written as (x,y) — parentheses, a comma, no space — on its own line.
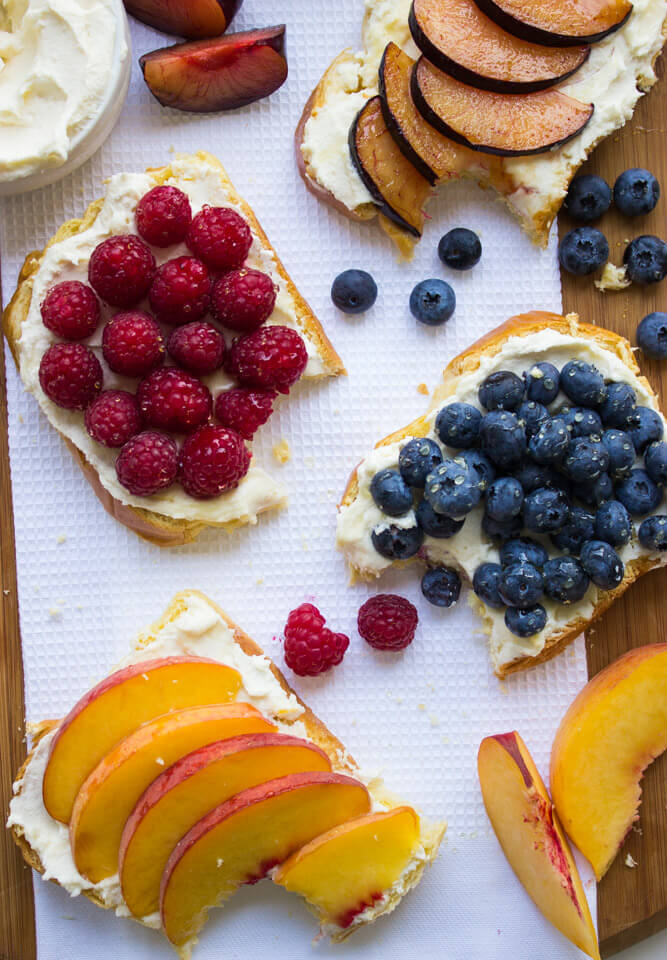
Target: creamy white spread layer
(59,63)
(469,547)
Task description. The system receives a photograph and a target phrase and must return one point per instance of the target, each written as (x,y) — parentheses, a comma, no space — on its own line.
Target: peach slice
(352,866)
(242,839)
(109,794)
(117,706)
(612,731)
(532,839)
(181,796)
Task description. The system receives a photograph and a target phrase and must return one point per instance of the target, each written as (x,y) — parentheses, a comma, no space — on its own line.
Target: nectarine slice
(351,867)
(241,840)
(193,19)
(528,830)
(181,796)
(558,21)
(109,794)
(614,728)
(117,706)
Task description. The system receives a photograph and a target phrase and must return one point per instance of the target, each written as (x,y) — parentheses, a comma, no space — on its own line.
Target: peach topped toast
(184,806)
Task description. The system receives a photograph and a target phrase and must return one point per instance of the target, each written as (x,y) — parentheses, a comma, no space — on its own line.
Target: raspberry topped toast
(537,475)
(156,334)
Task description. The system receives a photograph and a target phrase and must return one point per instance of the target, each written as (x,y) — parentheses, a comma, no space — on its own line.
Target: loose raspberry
(220,237)
(213,459)
(70,375)
(244,410)
(113,417)
(121,270)
(181,291)
(243,299)
(132,344)
(387,622)
(163,216)
(71,310)
(197,347)
(310,647)
(147,463)
(174,400)
(271,358)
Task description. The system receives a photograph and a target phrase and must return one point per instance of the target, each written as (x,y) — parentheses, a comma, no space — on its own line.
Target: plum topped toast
(537,474)
(156,333)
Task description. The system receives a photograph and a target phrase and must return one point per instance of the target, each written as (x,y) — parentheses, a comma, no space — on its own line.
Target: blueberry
(525,621)
(453,488)
(618,409)
(436,524)
(504,499)
(621,452)
(503,438)
(653,533)
(636,192)
(501,529)
(583,250)
(588,197)
(542,382)
(550,442)
(523,550)
(602,564)
(520,585)
(581,421)
(545,510)
(460,249)
(457,425)
(565,580)
(652,334)
(397,543)
(645,259)
(613,523)
(533,475)
(582,383)
(647,429)
(501,390)
(586,459)
(432,302)
(596,492)
(354,291)
(579,528)
(655,462)
(391,493)
(532,414)
(485,584)
(441,586)
(638,493)
(481,465)
(416,460)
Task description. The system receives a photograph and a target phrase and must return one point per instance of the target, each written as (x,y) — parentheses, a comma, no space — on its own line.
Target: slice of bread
(305,723)
(143,515)
(353,535)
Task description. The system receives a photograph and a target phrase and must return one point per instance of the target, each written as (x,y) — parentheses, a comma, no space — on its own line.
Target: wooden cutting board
(632,903)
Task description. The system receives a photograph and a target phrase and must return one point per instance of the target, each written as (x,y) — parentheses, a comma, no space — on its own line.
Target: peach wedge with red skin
(532,839)
(614,728)
(242,839)
(351,867)
(196,784)
(116,707)
(194,19)
(109,794)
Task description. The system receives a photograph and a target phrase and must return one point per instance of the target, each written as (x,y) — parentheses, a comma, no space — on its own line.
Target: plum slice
(506,124)
(218,74)
(558,22)
(397,187)
(194,19)
(458,38)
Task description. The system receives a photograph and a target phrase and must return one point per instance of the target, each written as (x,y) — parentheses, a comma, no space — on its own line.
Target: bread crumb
(613,278)
(281,451)
(421,706)
(630,861)
(61,538)
(55,613)
(423,389)
(433,720)
(21,420)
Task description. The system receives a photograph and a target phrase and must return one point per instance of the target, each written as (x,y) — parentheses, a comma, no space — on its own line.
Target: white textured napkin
(87,584)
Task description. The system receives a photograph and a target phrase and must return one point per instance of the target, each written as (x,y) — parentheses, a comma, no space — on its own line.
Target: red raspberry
(387,622)
(147,463)
(197,347)
(132,344)
(121,270)
(163,216)
(271,358)
(213,459)
(113,417)
(181,291)
(70,310)
(220,237)
(70,375)
(244,410)
(243,299)
(310,647)
(174,400)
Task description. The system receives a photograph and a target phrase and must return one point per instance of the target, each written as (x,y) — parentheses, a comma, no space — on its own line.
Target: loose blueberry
(523,550)
(582,383)
(588,197)
(532,414)
(504,499)
(520,585)
(652,334)
(503,438)
(621,452)
(550,442)
(638,493)
(533,475)
(655,462)
(391,493)
(453,488)
(647,429)
(354,291)
(416,460)
(432,302)
(545,510)
(581,421)
(653,533)
(645,259)
(397,543)
(636,192)
(583,250)
(579,528)
(436,524)
(618,409)
(586,459)
(525,621)
(565,580)
(613,524)
(485,584)
(441,586)
(460,249)
(501,390)
(602,564)
(596,492)
(542,382)
(501,529)
(481,465)
(457,425)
